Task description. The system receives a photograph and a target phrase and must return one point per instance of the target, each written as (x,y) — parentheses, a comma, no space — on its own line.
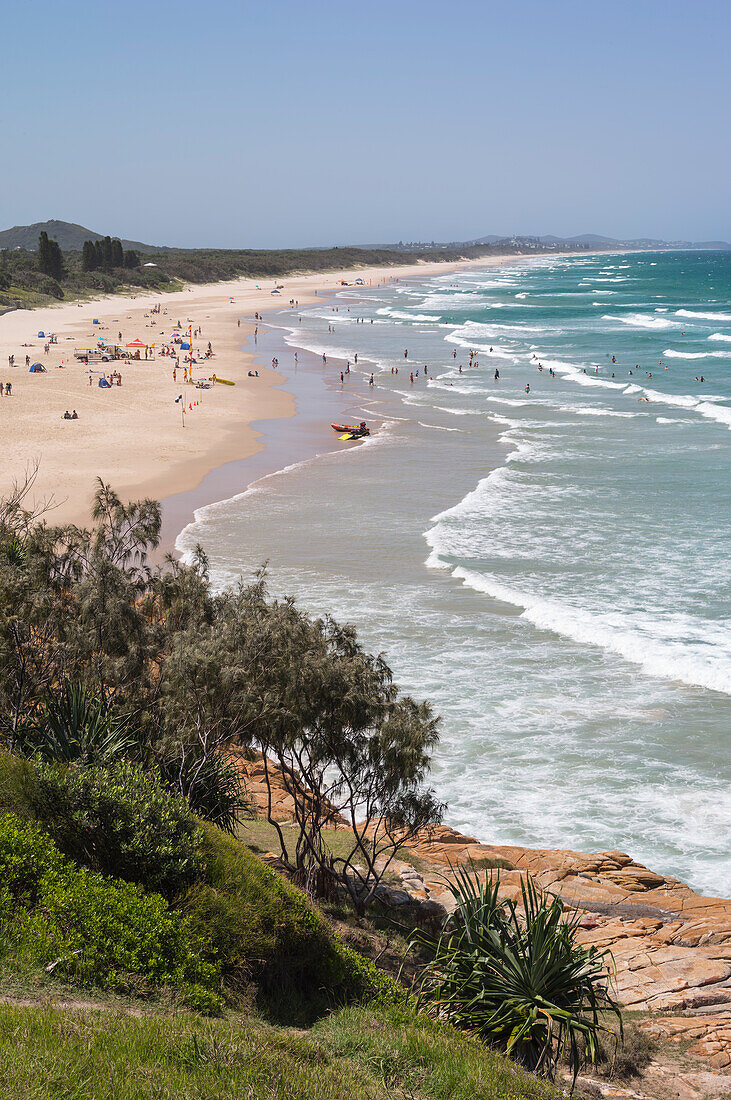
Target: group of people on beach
(106,381)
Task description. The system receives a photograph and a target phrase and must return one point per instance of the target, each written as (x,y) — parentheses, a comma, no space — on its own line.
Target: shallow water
(549,567)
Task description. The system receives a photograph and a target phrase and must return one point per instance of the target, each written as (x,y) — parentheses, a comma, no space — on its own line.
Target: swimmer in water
(527,388)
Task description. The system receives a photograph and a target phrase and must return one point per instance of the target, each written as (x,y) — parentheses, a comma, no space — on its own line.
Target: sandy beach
(131,435)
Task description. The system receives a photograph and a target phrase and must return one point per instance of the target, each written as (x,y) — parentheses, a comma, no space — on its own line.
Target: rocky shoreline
(671,947)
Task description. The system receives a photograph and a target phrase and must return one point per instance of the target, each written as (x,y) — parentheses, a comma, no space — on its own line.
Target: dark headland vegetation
(57,261)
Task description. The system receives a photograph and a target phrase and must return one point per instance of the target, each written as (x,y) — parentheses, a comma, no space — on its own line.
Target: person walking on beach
(370,381)
(342,377)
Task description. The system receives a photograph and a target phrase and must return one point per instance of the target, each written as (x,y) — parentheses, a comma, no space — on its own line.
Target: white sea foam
(401,315)
(631,638)
(671,353)
(595,410)
(720,336)
(703,316)
(476,329)
(642,320)
(682,400)
(439,427)
(720,413)
(575,374)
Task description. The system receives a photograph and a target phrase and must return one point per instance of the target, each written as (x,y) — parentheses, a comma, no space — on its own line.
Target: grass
(262,838)
(373,1054)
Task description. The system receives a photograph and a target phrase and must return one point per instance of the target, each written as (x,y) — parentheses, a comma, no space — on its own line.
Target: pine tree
(107,251)
(117,253)
(50,257)
(99,253)
(88,256)
(131,259)
(43,251)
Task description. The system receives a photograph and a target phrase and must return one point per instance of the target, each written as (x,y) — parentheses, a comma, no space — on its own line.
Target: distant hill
(70,237)
(593,240)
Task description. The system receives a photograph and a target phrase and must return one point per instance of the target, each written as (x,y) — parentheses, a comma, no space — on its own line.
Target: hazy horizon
(254,125)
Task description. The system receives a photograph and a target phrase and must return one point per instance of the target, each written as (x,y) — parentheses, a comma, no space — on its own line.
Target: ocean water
(549,567)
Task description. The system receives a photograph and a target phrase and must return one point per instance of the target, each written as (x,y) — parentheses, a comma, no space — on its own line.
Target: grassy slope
(372,1054)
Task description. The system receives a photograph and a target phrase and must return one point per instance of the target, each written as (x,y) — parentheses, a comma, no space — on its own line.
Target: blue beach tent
(36,368)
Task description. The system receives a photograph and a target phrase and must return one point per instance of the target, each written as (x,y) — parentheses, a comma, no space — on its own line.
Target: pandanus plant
(513,974)
(73,726)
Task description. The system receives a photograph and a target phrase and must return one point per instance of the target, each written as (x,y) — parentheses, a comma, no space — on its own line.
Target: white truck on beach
(92,355)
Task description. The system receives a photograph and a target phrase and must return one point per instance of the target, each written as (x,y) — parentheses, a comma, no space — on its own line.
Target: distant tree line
(104,266)
(106,254)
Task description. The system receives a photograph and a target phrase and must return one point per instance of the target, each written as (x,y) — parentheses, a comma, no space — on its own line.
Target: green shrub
(74,725)
(91,928)
(213,787)
(121,821)
(265,933)
(29,861)
(517,977)
(18,785)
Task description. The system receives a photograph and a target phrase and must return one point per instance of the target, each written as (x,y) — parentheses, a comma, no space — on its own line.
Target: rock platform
(671,946)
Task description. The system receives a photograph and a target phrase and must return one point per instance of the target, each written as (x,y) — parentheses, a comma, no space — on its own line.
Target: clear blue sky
(283,122)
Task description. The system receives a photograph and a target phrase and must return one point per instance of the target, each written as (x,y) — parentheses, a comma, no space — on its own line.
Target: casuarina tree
(50,257)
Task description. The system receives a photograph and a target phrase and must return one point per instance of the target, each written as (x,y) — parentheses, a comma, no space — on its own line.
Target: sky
(276,123)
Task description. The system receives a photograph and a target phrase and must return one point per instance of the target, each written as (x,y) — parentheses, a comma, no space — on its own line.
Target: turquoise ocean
(550,567)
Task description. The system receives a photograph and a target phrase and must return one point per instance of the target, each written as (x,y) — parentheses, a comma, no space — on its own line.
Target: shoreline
(136,443)
(138,429)
(211,477)
(278,466)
